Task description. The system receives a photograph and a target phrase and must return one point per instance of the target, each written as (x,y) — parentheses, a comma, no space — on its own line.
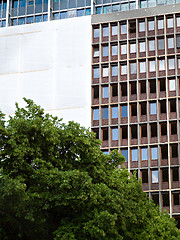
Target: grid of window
(143,98)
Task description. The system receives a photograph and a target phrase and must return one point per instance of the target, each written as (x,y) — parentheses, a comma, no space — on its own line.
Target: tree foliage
(55,183)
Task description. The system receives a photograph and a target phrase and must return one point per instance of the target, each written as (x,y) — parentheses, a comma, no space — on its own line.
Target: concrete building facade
(136,95)
(114,68)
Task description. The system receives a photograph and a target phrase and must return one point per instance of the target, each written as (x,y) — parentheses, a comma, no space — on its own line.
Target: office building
(136,95)
(131,49)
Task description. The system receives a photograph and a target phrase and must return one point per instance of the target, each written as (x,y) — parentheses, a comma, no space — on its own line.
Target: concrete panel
(50,63)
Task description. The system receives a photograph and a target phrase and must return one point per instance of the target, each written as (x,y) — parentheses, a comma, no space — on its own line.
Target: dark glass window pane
(81,12)
(22,3)
(38,1)
(88,11)
(30,20)
(15,4)
(72,3)
(88,2)
(21,21)
(38,19)
(14,22)
(80,3)
(63,5)
(63,15)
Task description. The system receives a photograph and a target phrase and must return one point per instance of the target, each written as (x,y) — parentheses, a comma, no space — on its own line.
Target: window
(143,4)
(172,85)
(115,8)
(165,175)
(170,43)
(151,25)
(161,24)
(134,153)
(173,106)
(171,63)
(124,89)
(114,71)
(106,152)
(175,174)
(22,20)
(96,92)
(176,198)
(105,113)
(174,151)
(143,108)
(38,19)
(165,199)
(144,176)
(105,92)
(133,68)
(151,45)
(124,111)
(144,131)
(133,88)
(144,154)
(114,89)
(163,129)
(105,31)
(142,47)
(178,41)
(173,128)
(123,29)
(164,152)
(115,134)
(106,9)
(153,108)
(63,15)
(105,51)
(114,49)
(155,176)
(114,30)
(151,66)
(143,87)
(142,67)
(96,72)
(123,69)
(80,12)
(132,27)
(155,198)
(178,21)
(105,134)
(105,71)
(96,32)
(133,109)
(114,112)
(161,65)
(124,132)
(161,44)
(96,114)
(125,154)
(154,153)
(134,132)
(124,49)
(133,48)
(141,26)
(170,22)
(30,20)
(96,52)
(153,130)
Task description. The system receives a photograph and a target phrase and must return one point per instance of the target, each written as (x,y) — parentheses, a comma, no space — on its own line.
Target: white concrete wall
(50,63)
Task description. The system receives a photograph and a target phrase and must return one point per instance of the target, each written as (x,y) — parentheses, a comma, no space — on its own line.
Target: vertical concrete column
(49,10)
(7,14)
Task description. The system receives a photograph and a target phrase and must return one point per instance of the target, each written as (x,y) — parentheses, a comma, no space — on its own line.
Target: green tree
(55,183)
